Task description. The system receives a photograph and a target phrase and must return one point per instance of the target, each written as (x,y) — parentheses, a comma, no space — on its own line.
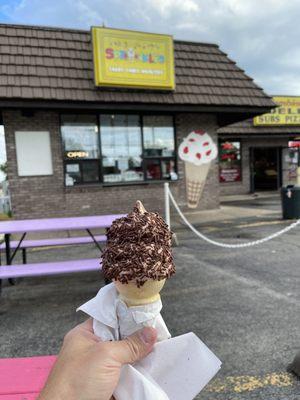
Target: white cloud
(282,84)
(87,14)
(261,35)
(166,7)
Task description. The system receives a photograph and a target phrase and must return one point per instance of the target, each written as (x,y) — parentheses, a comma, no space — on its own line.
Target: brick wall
(46,196)
(243,187)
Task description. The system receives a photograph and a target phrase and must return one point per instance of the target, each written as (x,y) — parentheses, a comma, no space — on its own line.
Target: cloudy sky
(261,35)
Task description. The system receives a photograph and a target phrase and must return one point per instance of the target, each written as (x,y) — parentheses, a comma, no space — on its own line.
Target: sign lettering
(287,113)
(77,154)
(133,59)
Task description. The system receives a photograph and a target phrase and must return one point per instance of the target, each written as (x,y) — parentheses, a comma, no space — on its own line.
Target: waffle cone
(195,176)
(146,294)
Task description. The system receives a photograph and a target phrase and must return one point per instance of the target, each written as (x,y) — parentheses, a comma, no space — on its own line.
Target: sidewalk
(261,208)
(235,210)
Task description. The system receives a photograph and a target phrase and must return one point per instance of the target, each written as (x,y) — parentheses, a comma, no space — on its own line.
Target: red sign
(294,143)
(230,174)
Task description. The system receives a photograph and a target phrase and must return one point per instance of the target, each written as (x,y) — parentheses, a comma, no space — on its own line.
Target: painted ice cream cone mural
(197,150)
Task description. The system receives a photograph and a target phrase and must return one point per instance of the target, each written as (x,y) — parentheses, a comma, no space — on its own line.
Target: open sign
(77,154)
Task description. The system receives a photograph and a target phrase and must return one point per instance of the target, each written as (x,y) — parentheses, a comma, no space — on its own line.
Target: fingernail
(148,335)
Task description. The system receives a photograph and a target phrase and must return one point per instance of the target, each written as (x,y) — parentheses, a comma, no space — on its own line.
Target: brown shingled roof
(41,63)
(245,128)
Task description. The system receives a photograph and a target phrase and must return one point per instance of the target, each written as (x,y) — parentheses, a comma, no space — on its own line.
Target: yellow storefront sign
(287,112)
(133,59)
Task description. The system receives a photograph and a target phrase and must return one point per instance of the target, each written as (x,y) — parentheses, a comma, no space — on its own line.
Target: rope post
(167,204)
(167,213)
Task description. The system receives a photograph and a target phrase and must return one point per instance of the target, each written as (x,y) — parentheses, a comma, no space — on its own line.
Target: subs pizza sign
(287,112)
(133,59)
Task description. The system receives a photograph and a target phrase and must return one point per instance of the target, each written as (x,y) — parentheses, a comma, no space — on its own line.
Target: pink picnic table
(52,224)
(24,378)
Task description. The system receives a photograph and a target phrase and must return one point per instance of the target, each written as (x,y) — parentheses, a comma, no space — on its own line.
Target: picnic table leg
(17,248)
(9,258)
(7,248)
(24,256)
(94,239)
(7,253)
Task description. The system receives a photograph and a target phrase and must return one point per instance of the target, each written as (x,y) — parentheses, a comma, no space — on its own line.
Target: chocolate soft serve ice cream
(138,260)
(138,249)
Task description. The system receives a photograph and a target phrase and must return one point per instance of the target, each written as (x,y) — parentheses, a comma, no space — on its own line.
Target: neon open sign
(77,154)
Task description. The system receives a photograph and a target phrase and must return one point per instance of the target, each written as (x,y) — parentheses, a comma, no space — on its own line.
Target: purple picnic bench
(23,227)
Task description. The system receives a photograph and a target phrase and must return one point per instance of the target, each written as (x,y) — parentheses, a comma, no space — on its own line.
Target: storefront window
(230,168)
(81,148)
(133,148)
(159,147)
(121,144)
(158,136)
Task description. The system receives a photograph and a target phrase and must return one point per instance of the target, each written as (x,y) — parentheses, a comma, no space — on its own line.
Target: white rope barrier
(227,245)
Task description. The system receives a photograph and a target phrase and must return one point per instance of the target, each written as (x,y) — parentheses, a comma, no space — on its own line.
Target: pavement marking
(228,225)
(34,249)
(261,223)
(249,383)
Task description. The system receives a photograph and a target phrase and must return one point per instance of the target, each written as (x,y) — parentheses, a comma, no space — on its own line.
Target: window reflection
(72,174)
(80,136)
(121,146)
(153,169)
(157,169)
(81,148)
(159,147)
(130,151)
(158,136)
(168,170)
(90,171)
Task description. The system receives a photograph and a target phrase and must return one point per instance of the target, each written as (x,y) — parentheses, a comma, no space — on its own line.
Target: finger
(88,325)
(135,347)
(86,329)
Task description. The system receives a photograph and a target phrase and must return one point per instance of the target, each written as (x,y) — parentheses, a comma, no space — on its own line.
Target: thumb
(136,346)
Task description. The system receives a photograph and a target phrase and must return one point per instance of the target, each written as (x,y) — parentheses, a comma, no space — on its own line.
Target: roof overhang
(226,115)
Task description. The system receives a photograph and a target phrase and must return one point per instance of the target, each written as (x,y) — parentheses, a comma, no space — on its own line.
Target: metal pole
(167,204)
(167,214)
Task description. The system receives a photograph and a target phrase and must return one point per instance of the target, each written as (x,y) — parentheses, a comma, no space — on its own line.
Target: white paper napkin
(177,369)
(181,366)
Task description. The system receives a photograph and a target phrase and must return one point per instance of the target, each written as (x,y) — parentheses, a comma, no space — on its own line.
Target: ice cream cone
(138,257)
(138,296)
(133,295)
(195,176)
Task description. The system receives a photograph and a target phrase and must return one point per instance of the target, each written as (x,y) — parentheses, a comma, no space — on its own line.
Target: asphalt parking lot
(244,304)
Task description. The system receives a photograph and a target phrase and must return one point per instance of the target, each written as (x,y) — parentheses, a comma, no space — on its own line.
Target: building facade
(77,149)
(261,154)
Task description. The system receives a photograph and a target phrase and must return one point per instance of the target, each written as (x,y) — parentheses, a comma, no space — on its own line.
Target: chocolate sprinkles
(138,248)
